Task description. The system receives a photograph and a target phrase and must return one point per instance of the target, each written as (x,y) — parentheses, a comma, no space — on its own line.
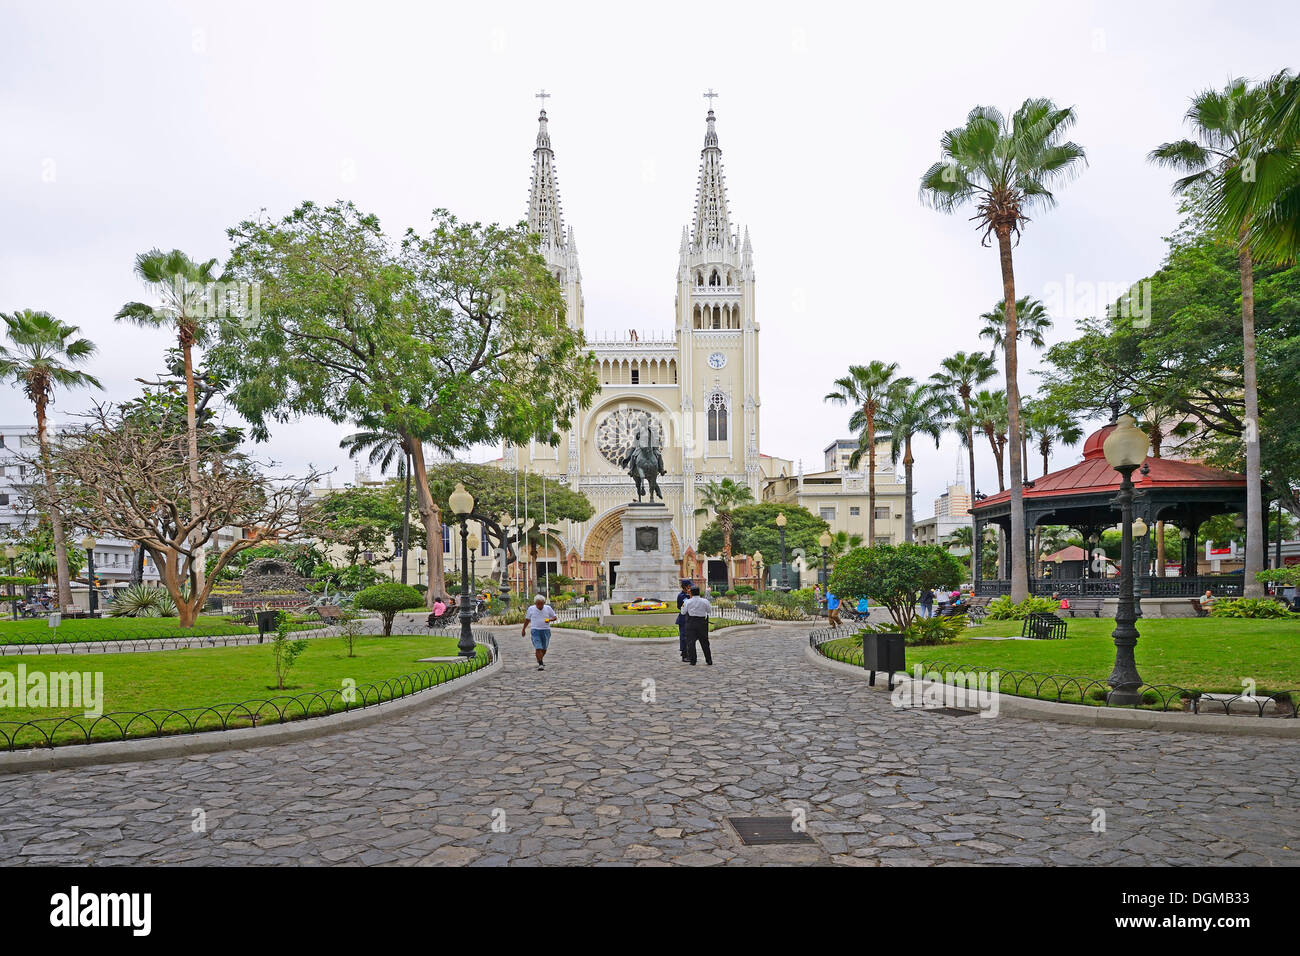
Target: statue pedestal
(647,569)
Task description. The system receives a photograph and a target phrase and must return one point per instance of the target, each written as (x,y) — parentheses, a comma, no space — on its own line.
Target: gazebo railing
(1190,586)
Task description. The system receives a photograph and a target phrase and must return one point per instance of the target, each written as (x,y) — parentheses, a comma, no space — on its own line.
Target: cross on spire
(543,96)
(711,96)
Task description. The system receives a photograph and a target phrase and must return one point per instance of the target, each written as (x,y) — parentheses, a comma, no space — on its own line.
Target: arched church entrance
(604,546)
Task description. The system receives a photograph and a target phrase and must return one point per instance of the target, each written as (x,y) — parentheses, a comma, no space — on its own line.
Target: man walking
(927,602)
(697,610)
(682,597)
(539,617)
(832,609)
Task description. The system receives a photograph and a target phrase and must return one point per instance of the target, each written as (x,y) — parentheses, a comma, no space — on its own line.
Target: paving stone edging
(217,741)
(1116,718)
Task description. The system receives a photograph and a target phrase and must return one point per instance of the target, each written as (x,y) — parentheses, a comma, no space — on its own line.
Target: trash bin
(266,621)
(883,652)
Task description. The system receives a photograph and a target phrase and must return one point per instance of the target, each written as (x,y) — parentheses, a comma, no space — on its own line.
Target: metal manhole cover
(950,711)
(766,831)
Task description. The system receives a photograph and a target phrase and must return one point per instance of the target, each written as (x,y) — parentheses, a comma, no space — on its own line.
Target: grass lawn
(635,630)
(165,681)
(38,631)
(1199,654)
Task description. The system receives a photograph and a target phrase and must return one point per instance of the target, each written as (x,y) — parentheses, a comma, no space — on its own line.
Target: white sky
(128,126)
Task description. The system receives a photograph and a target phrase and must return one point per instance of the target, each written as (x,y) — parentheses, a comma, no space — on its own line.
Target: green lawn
(164,681)
(38,631)
(1198,654)
(635,630)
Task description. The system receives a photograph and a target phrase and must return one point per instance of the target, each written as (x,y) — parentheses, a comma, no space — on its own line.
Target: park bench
(329,612)
(1086,605)
(1043,627)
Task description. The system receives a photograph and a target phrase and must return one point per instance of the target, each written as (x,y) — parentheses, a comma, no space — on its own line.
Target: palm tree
(384,447)
(182,284)
(40,357)
(911,410)
(989,414)
(1005,168)
(1050,425)
(961,373)
(1227,125)
(960,538)
(864,390)
(723,497)
(1032,323)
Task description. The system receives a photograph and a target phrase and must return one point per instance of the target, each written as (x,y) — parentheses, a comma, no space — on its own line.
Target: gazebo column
(977,539)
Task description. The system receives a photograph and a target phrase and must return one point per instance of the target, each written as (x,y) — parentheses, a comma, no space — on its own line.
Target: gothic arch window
(717,417)
(713,279)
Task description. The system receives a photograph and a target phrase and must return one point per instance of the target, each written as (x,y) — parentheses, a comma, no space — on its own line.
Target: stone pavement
(577,767)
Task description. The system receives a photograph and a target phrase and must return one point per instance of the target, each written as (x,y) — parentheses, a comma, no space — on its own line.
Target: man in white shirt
(697,611)
(539,616)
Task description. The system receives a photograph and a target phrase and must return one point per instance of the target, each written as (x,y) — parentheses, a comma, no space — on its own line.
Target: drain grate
(950,711)
(767,831)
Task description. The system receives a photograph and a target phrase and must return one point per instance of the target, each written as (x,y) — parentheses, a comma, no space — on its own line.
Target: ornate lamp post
(1059,561)
(758,569)
(473,560)
(1125,450)
(88,542)
(462,504)
(780,525)
(825,542)
(11,552)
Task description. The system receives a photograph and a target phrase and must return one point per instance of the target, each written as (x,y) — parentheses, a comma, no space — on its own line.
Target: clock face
(717,360)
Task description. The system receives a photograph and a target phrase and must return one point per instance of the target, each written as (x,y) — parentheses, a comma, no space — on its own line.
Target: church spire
(544,217)
(712,224)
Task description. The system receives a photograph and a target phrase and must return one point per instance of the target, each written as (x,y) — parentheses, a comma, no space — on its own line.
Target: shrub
(894,576)
(927,632)
(1001,609)
(1249,607)
(388,599)
(513,616)
(142,600)
(775,612)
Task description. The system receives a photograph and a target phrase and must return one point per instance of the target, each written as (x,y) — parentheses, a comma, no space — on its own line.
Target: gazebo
(1082,497)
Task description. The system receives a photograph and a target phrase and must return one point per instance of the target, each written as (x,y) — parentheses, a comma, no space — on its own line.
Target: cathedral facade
(696,388)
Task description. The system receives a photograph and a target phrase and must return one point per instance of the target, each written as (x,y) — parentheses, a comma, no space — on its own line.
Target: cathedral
(695,389)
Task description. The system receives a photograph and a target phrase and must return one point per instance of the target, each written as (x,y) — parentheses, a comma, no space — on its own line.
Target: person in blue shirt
(863,607)
(832,609)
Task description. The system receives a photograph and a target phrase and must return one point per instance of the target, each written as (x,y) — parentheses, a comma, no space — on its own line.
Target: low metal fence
(253,712)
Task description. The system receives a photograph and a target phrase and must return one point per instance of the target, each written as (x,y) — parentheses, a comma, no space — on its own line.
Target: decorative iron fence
(578,613)
(254,712)
(1191,586)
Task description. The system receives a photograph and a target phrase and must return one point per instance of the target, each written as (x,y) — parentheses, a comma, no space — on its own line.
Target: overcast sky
(133,125)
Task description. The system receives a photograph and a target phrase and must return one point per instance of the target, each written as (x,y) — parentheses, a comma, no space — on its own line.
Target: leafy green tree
(388,599)
(722,498)
(37,557)
(1227,126)
(894,576)
(753,528)
(961,373)
(360,519)
(909,411)
(1005,168)
(864,389)
(454,338)
(40,358)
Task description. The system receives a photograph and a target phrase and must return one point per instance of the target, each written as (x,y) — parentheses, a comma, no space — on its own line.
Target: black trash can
(266,623)
(883,652)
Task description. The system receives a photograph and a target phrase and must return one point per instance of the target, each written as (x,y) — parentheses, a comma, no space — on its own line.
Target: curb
(1113,718)
(219,741)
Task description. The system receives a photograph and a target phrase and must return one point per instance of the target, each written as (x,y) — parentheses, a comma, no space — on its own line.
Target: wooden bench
(1085,604)
(328,612)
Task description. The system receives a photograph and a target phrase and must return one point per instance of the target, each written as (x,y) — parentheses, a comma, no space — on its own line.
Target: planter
(883,652)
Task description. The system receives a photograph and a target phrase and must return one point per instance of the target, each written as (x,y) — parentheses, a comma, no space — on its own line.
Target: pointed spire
(544,216)
(712,224)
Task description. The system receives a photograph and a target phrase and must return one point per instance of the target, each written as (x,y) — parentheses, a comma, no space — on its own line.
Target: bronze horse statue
(644,465)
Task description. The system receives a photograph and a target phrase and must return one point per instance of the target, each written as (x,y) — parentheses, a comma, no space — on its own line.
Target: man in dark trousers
(697,610)
(682,596)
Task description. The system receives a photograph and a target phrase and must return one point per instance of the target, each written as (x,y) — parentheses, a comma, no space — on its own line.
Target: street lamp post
(780,525)
(1125,450)
(825,542)
(88,542)
(473,562)
(11,552)
(1139,563)
(462,504)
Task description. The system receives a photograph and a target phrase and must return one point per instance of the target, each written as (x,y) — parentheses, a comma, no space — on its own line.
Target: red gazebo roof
(1094,475)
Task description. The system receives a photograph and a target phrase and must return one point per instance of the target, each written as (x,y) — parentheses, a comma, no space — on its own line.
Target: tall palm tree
(863,389)
(1048,425)
(384,447)
(1005,168)
(911,410)
(723,498)
(961,374)
(989,414)
(40,357)
(1227,127)
(182,285)
(1032,323)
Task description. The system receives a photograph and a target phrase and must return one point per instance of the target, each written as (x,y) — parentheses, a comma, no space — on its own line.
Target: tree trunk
(62,583)
(406,522)
(970,449)
(1019,565)
(907,489)
(1254,495)
(997,459)
(726,549)
(871,479)
(431,516)
(1160,549)
(192,431)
